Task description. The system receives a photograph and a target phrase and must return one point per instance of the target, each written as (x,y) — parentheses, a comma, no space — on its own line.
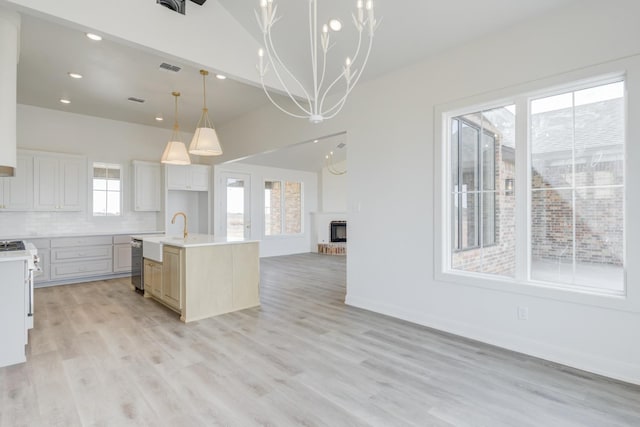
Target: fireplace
(338,231)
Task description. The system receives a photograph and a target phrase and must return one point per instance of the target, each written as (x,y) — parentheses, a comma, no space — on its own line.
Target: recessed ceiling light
(94,37)
(315,141)
(335,24)
(65,101)
(75,75)
(159,118)
(221,76)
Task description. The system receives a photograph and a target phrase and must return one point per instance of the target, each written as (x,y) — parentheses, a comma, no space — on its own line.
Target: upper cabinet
(59,182)
(16,193)
(147,186)
(191,177)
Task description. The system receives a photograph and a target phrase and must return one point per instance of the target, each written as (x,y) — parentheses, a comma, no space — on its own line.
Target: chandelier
(330,165)
(314,107)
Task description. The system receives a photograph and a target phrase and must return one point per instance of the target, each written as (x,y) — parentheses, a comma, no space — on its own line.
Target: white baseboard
(610,368)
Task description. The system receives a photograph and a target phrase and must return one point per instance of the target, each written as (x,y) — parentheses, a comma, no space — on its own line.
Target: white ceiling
(410,31)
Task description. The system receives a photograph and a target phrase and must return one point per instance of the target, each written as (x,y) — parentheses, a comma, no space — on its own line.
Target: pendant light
(175,153)
(205,140)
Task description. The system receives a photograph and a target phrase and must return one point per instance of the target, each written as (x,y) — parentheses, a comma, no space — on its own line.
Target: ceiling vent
(342,145)
(170,67)
(134,99)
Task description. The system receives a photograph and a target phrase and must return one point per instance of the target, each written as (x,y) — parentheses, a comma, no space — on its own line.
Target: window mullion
(522,191)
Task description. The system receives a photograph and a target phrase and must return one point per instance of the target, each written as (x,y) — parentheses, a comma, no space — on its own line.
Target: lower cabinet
(153,278)
(72,259)
(172,276)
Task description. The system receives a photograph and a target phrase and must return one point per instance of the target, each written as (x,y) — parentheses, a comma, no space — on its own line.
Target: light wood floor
(101,355)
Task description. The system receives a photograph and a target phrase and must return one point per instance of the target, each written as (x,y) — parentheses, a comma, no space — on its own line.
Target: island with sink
(200,275)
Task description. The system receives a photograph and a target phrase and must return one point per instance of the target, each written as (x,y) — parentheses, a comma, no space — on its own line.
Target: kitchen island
(201,275)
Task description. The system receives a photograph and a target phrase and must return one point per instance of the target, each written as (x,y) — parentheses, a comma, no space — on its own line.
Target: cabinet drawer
(65,242)
(84,253)
(80,269)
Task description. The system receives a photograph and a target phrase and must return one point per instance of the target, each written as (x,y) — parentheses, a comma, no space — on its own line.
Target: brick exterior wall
(293,207)
(498,258)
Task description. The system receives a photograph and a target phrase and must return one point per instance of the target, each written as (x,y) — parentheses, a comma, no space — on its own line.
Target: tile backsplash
(32,224)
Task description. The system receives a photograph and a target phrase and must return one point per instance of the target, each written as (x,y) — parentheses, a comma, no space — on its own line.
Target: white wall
(100,140)
(269,245)
(390,123)
(334,189)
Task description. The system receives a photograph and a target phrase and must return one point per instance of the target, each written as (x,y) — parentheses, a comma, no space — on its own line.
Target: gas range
(11,245)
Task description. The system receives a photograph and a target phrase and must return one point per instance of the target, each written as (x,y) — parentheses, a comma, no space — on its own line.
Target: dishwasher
(137,267)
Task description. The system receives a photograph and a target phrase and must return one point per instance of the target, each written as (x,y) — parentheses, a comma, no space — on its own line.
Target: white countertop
(194,240)
(74,234)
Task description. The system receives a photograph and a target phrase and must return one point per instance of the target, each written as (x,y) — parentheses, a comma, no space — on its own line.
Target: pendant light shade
(175,153)
(205,140)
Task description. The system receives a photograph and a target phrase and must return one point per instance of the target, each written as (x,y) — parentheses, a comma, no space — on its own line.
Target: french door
(236,205)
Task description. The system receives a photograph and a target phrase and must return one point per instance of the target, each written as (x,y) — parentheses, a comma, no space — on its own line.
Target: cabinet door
(199,177)
(17,191)
(122,258)
(146,187)
(45,185)
(177,177)
(171,277)
(71,184)
(156,279)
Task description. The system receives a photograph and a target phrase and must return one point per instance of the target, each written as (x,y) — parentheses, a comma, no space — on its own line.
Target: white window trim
(629,69)
(105,218)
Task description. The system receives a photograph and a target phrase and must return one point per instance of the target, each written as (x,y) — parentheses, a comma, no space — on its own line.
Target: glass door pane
(237,210)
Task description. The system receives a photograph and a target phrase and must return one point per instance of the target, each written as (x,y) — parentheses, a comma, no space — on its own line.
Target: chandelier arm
(313,38)
(331,168)
(326,92)
(324,70)
(337,107)
(273,54)
(339,104)
(278,106)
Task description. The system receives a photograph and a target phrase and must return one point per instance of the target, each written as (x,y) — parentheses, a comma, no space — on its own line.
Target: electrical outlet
(523,313)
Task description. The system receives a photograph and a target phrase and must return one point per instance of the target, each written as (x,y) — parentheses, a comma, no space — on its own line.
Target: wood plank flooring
(101,355)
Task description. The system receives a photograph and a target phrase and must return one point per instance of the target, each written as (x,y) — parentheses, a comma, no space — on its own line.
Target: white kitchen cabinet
(190,177)
(12,312)
(59,182)
(16,193)
(147,186)
(85,256)
(121,254)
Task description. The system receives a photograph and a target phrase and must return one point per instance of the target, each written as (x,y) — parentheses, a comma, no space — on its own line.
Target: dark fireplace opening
(338,231)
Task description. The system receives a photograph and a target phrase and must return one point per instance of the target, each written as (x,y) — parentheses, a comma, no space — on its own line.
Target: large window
(106,190)
(567,226)
(282,208)
(577,183)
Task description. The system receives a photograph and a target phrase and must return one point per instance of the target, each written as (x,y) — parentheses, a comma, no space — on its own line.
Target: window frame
(520,95)
(96,164)
(480,192)
(283,223)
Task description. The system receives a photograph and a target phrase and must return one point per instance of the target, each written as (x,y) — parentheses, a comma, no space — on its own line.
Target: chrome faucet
(173,221)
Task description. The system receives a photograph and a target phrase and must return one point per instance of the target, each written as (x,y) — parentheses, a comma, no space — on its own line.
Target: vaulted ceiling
(116,69)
